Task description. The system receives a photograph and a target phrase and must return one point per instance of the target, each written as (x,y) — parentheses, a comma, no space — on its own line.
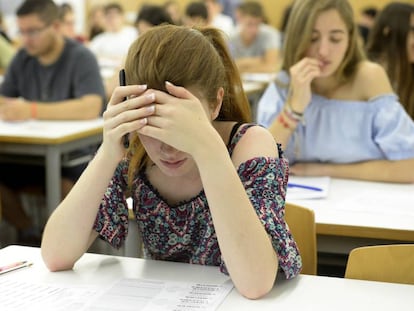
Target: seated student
(111,46)
(50,78)
(333,111)
(95,21)
(254,45)
(150,16)
(392,45)
(191,145)
(173,9)
(196,14)
(365,22)
(67,22)
(217,19)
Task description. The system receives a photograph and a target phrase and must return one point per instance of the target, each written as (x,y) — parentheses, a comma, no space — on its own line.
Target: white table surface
(365,204)
(303,293)
(47,129)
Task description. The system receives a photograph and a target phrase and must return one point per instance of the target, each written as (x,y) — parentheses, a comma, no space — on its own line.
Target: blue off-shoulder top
(342,131)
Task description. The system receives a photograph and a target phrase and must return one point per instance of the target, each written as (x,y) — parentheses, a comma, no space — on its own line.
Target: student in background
(391,44)
(254,46)
(191,145)
(334,112)
(173,9)
(111,46)
(196,14)
(67,22)
(50,78)
(229,7)
(217,19)
(150,16)
(95,21)
(365,22)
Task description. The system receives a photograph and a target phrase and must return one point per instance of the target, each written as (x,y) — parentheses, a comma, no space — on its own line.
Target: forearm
(87,107)
(72,222)
(284,125)
(244,243)
(401,171)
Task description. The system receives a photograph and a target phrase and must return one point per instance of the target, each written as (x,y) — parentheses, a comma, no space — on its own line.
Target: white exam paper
(156,295)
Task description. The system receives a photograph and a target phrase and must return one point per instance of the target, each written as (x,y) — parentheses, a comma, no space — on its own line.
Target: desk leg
(53,178)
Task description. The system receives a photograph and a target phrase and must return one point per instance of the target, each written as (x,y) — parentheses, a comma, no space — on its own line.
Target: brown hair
(252,8)
(47,10)
(387,44)
(187,57)
(302,18)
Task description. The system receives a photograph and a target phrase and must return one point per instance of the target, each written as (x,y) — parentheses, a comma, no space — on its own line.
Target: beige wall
(273,8)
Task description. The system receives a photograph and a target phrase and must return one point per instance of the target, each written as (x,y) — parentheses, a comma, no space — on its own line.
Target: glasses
(33,33)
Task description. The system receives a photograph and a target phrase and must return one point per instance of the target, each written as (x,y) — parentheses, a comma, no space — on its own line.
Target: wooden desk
(364,210)
(303,293)
(50,140)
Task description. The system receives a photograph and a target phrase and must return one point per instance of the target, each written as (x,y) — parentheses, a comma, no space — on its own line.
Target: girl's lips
(173,164)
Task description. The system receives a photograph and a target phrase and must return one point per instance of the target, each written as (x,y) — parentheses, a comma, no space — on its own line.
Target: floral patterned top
(185,232)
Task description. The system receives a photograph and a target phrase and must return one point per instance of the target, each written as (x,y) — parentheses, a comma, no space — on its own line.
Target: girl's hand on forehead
(180,119)
(127,112)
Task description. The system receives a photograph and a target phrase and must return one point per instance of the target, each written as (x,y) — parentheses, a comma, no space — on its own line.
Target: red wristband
(283,122)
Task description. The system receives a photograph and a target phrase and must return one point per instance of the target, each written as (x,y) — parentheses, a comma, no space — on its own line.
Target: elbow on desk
(257,292)
(54,263)
(256,288)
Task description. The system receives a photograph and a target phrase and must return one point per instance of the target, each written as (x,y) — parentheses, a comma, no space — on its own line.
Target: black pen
(122,82)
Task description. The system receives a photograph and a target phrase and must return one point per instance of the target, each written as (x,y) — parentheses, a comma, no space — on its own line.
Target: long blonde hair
(299,33)
(188,57)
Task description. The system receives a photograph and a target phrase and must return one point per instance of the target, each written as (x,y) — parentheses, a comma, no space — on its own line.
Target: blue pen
(293,185)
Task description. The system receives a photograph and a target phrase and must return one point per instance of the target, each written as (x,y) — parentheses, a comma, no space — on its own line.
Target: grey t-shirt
(268,38)
(73,75)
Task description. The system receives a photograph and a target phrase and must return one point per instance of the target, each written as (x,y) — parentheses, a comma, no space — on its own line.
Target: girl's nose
(167,149)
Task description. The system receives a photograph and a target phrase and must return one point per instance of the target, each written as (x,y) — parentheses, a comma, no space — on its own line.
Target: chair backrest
(384,263)
(301,222)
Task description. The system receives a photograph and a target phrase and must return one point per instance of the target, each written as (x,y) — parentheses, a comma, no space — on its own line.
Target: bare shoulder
(257,141)
(372,80)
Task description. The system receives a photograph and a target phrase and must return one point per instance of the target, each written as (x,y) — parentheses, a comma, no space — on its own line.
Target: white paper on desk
(296,193)
(156,295)
(259,77)
(16,295)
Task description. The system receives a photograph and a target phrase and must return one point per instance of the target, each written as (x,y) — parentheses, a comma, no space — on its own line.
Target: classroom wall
(273,8)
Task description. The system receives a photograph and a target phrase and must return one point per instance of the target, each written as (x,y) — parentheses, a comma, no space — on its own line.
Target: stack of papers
(300,188)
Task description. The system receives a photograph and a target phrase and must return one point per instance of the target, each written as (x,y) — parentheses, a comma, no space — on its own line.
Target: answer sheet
(17,295)
(156,295)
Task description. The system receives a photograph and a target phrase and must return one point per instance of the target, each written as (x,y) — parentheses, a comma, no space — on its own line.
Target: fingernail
(151,108)
(168,83)
(142,87)
(143,121)
(151,96)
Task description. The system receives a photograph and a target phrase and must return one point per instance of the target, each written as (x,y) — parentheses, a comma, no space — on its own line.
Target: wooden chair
(301,222)
(384,263)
